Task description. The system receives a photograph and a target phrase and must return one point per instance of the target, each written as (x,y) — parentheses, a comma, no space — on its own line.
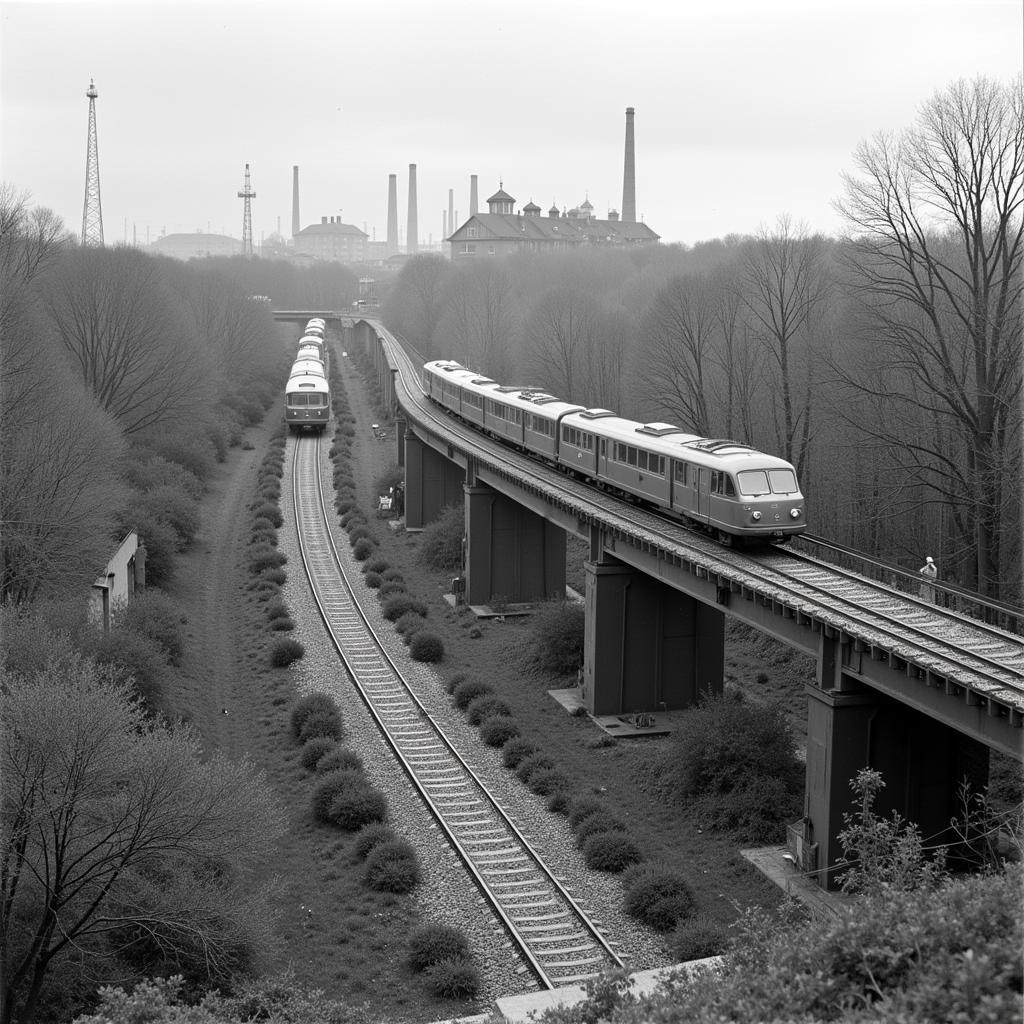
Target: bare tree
(117,831)
(415,303)
(560,332)
(117,322)
(936,244)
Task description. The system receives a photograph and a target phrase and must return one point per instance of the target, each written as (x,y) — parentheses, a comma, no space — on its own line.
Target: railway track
(558,941)
(989,660)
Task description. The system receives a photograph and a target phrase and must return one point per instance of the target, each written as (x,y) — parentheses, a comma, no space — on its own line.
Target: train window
(603,447)
(296,400)
(783,481)
(680,472)
(641,459)
(753,482)
(730,487)
(631,456)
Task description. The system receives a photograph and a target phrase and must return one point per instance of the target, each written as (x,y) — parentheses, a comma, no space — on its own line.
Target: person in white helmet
(928,573)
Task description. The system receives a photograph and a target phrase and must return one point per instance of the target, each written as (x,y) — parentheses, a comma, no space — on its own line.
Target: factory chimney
(296,223)
(412,232)
(451,211)
(629,173)
(392,214)
(473,205)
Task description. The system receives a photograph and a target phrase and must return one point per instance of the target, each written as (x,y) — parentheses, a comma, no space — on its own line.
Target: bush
(391,588)
(136,659)
(485,706)
(261,524)
(735,766)
(657,897)
(398,604)
(340,759)
(373,581)
(321,723)
(497,731)
(153,614)
(176,509)
(282,624)
(392,867)
(515,751)
(558,802)
(454,679)
(392,576)
(533,763)
(263,556)
(276,609)
(427,647)
(697,938)
(432,943)
(593,824)
(311,704)
(363,548)
(355,516)
(356,806)
(467,691)
(378,564)
(441,541)
(452,979)
(147,472)
(583,807)
(371,836)
(314,750)
(545,781)
(274,576)
(558,637)
(360,532)
(330,788)
(610,851)
(268,510)
(409,624)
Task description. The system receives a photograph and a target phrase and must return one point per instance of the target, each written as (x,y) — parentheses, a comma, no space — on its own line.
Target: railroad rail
(556,938)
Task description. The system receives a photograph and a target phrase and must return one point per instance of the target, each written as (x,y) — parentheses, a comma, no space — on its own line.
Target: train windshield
(303,401)
(753,482)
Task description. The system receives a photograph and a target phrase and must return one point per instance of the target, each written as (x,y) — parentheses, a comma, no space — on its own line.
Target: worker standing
(928,572)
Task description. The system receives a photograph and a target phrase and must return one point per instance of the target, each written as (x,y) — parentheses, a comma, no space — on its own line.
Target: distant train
(307,394)
(731,490)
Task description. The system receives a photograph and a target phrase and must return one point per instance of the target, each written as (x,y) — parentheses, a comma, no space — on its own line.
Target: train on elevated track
(736,493)
(307,395)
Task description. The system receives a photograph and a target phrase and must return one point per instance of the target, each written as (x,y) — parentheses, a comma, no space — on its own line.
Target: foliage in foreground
(557,644)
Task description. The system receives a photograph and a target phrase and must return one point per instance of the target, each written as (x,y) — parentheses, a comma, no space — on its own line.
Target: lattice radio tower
(92,211)
(248,195)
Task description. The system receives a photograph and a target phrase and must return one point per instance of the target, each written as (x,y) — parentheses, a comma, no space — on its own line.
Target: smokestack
(392,214)
(451,211)
(473,208)
(296,223)
(412,232)
(629,173)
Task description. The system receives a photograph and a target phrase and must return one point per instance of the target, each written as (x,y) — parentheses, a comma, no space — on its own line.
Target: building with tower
(332,239)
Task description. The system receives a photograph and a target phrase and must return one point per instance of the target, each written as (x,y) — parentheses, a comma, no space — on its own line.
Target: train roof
(307,382)
(308,351)
(311,339)
(307,367)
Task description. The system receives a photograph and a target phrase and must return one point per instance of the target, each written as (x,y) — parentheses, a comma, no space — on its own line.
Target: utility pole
(248,195)
(92,211)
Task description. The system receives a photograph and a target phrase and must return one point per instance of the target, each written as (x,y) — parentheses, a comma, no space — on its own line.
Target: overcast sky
(744,110)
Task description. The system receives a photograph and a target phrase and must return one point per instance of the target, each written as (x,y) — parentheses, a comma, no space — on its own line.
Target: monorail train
(730,489)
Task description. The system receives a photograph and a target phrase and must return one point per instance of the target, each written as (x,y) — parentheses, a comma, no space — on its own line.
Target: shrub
(441,541)
(392,576)
(147,471)
(558,802)
(533,763)
(610,851)
(392,867)
(267,537)
(268,510)
(265,557)
(176,509)
(155,615)
(467,691)
(330,788)
(373,581)
(515,751)
(584,807)
(355,516)
(358,533)
(136,659)
(274,576)
(432,943)
(454,679)
(356,806)
(484,706)
(282,624)
(276,609)
(427,647)
(558,637)
(261,524)
(497,731)
(340,759)
(314,750)
(321,723)
(545,781)
(312,704)
(363,548)
(452,979)
(371,836)
(378,564)
(593,824)
(735,765)
(657,897)
(697,938)
(398,604)
(391,588)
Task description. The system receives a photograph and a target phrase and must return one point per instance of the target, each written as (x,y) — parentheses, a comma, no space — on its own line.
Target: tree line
(884,364)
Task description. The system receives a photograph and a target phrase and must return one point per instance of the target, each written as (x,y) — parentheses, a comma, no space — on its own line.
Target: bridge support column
(647,647)
(511,552)
(921,760)
(431,483)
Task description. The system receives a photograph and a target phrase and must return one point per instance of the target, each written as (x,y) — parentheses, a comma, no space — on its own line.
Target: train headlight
(794,513)
(756,516)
